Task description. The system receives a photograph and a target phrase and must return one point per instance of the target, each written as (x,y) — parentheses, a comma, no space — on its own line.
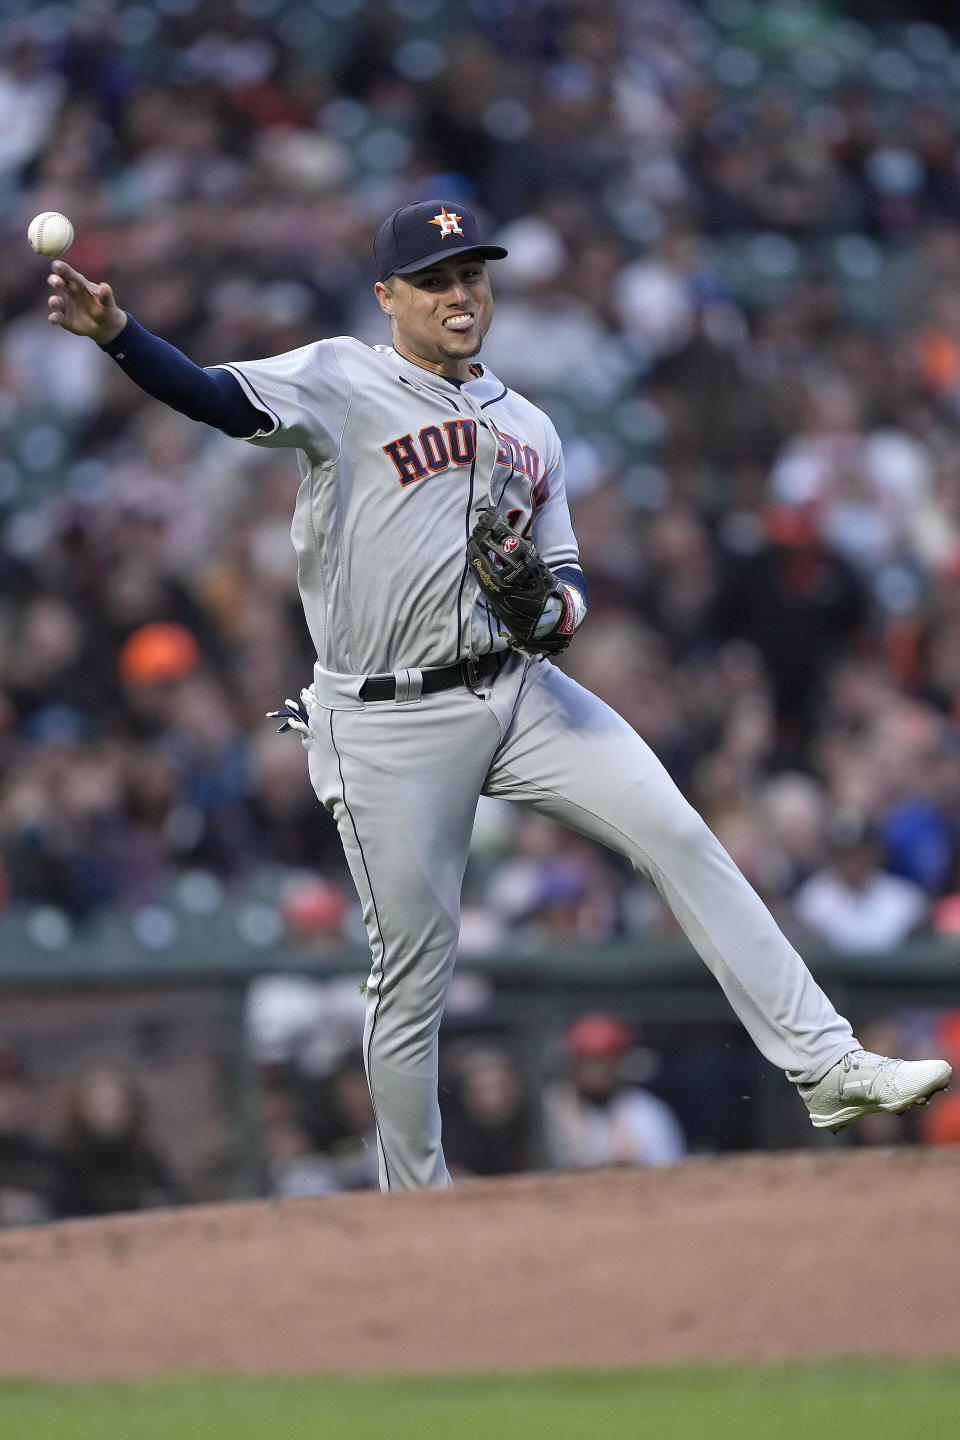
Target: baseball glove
(518,585)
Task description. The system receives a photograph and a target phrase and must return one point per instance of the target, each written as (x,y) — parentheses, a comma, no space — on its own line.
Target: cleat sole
(835,1127)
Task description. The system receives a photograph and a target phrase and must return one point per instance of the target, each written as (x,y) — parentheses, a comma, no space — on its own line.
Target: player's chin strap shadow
(295,716)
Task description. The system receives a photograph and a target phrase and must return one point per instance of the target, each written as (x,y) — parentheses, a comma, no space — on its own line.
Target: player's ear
(384,293)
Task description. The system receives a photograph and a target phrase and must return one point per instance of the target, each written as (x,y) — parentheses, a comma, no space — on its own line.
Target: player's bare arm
(82,307)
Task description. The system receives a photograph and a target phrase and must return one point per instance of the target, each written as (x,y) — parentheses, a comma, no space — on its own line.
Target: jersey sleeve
(304,394)
(551,529)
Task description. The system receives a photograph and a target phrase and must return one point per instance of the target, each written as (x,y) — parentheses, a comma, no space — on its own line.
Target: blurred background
(734,284)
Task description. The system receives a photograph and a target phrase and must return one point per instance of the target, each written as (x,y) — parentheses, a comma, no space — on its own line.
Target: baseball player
(439,572)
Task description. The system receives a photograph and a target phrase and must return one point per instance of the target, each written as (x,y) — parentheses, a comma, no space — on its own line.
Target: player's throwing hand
(81,307)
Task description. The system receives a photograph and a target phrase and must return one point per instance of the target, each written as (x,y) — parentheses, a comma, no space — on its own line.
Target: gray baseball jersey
(396,461)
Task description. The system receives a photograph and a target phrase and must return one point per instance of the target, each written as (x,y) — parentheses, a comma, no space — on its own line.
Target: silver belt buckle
(470,670)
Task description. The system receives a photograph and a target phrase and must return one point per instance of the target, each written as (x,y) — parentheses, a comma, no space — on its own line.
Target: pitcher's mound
(750,1258)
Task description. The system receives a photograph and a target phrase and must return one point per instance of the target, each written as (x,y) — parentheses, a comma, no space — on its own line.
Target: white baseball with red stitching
(50,234)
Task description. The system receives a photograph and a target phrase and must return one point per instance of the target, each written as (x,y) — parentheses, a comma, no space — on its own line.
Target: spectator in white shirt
(597,1117)
(852,904)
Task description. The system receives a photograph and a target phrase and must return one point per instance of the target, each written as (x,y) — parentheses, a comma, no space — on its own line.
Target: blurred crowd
(100,1158)
(733,282)
(89,1146)
(602,1089)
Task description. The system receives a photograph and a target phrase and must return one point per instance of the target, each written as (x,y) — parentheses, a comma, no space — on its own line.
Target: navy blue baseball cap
(416,236)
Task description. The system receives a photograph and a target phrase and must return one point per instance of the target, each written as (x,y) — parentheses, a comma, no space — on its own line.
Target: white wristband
(578,604)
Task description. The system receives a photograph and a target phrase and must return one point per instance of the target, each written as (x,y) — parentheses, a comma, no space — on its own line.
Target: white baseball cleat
(863,1084)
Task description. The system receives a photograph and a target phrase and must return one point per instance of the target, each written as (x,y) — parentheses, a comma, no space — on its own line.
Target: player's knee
(404,1040)
(684,831)
(430,943)
(419,928)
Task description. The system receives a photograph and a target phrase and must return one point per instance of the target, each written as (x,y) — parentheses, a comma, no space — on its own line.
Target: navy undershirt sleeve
(213,396)
(572,575)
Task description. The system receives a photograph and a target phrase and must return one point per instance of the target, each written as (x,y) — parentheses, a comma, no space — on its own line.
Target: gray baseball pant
(402,779)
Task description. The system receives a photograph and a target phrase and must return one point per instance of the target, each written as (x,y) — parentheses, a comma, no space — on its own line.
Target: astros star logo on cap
(448,222)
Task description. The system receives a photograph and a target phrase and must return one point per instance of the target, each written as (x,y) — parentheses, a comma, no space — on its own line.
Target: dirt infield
(752,1258)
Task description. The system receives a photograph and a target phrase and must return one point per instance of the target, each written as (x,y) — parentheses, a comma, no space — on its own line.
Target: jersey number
(513,520)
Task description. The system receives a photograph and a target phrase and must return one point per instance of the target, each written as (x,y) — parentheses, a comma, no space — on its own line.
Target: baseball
(50,233)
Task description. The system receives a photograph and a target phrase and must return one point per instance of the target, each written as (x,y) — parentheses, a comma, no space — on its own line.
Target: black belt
(465,672)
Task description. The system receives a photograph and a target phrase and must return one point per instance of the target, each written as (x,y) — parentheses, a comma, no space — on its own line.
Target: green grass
(863,1401)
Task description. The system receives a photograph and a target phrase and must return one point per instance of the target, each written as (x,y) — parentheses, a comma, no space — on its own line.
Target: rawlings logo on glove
(518,585)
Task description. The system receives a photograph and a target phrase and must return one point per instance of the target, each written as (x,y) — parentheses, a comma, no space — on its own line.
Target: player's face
(440,315)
